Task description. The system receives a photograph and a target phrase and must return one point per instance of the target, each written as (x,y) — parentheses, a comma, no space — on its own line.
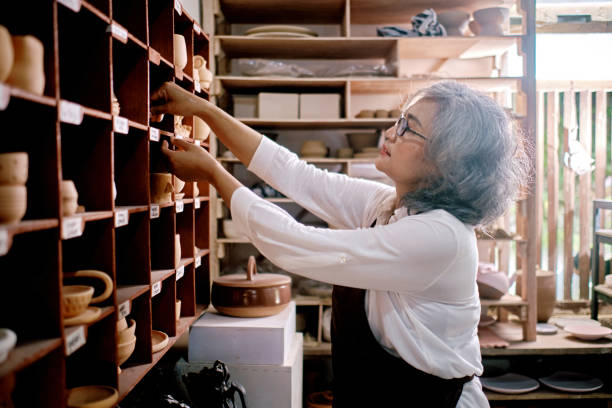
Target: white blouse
(419,271)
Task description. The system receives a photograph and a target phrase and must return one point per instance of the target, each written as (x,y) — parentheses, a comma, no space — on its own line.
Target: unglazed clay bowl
(366,113)
(68,190)
(13,203)
(75,299)
(122,324)
(587,331)
(360,140)
(127,334)
(159,340)
(6,53)
(313,148)
(13,168)
(180,51)
(345,153)
(454,21)
(201,130)
(28,66)
(491,21)
(125,350)
(230,230)
(92,396)
(381,113)
(198,62)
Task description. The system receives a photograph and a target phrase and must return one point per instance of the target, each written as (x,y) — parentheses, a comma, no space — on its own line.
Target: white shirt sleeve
(406,256)
(335,198)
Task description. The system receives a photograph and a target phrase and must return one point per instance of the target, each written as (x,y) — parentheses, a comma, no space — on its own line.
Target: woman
(403,260)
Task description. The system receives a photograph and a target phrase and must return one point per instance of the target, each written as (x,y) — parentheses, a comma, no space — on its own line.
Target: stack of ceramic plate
(572,382)
(280,31)
(510,383)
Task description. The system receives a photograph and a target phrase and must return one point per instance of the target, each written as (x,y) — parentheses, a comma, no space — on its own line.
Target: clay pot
(76,298)
(161,188)
(125,350)
(122,324)
(92,396)
(395,113)
(381,113)
(178,185)
(201,130)
(366,113)
(345,153)
(180,51)
(28,68)
(192,190)
(177,250)
(360,140)
(6,53)
(13,203)
(491,21)
(127,334)
(13,168)
(204,74)
(454,21)
(69,198)
(313,148)
(547,293)
(251,295)
(198,62)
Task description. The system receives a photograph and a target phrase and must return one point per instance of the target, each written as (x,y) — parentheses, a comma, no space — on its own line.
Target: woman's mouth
(384,151)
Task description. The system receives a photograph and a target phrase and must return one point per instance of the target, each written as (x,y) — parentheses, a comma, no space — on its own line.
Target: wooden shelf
(303,300)
(28,96)
(202,252)
(27,353)
(321,349)
(321,160)
(273,11)
(26,226)
(506,300)
(160,275)
(320,123)
(455,47)
(547,394)
(258,84)
(132,209)
(130,292)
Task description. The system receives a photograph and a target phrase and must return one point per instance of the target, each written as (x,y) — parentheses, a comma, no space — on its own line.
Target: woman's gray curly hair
(481,160)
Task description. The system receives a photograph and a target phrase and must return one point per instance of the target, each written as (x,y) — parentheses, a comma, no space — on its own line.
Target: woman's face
(402,158)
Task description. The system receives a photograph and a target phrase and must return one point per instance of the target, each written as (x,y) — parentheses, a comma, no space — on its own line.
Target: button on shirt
(419,270)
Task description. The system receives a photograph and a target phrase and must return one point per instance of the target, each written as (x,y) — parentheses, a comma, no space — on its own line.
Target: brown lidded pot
(251,295)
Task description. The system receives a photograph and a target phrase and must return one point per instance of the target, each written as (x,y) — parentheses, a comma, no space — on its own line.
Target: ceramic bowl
(365,113)
(345,153)
(159,340)
(313,148)
(75,299)
(92,396)
(125,350)
(201,130)
(230,230)
(491,21)
(180,51)
(360,140)
(454,21)
(13,168)
(68,190)
(127,334)
(6,53)
(198,62)
(587,331)
(395,113)
(8,338)
(13,203)
(178,185)
(608,281)
(178,309)
(381,113)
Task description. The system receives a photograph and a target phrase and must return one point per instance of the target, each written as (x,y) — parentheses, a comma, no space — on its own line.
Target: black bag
(212,388)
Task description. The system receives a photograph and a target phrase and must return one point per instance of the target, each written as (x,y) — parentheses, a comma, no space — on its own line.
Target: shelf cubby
(49,389)
(161,30)
(184,26)
(84,59)
(130,80)
(162,240)
(163,306)
(202,222)
(140,311)
(185,291)
(131,154)
(184,227)
(133,16)
(132,251)
(202,282)
(158,74)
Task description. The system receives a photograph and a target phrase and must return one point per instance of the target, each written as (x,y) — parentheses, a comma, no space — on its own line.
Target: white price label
(75,339)
(74,5)
(180,272)
(124,309)
(198,261)
(178,7)
(196,142)
(72,227)
(154,134)
(118,32)
(154,211)
(5,96)
(4,241)
(71,112)
(198,88)
(178,135)
(180,206)
(196,28)
(196,202)
(121,218)
(156,289)
(120,125)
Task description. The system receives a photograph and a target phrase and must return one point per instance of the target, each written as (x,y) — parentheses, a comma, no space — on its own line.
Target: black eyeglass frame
(401,127)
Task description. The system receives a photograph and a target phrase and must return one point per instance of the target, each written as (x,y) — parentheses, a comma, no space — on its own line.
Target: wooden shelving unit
(93,48)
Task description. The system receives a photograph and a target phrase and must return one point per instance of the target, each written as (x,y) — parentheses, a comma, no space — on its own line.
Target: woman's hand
(171,98)
(192,163)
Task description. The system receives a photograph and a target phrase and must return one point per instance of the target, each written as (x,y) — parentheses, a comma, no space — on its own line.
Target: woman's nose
(390,134)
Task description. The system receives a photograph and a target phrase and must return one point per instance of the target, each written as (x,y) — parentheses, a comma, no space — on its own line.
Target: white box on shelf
(245,106)
(269,385)
(319,106)
(278,105)
(236,340)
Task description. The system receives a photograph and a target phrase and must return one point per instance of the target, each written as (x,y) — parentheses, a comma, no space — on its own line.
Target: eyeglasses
(401,127)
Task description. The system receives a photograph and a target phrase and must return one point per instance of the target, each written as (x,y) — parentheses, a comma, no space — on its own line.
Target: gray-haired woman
(403,260)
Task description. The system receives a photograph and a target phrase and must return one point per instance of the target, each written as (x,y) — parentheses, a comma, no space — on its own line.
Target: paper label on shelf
(118,32)
(196,142)
(154,134)
(72,227)
(124,309)
(121,218)
(71,112)
(74,5)
(198,88)
(75,339)
(156,289)
(196,202)
(4,241)
(154,211)
(5,96)
(178,7)
(180,272)
(179,206)
(198,261)
(120,125)
(196,28)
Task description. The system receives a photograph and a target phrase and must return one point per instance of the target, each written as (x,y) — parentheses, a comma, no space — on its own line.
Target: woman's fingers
(183,144)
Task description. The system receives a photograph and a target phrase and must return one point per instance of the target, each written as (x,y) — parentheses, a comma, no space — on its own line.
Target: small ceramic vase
(13,203)
(178,185)
(13,168)
(70,197)
(180,51)
(198,62)
(115,107)
(28,68)
(547,296)
(201,129)
(161,188)
(177,250)
(6,53)
(491,21)
(454,21)
(191,189)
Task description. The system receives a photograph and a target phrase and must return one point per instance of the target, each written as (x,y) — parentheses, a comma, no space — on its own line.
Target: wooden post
(552,146)
(600,159)
(585,199)
(539,192)
(568,197)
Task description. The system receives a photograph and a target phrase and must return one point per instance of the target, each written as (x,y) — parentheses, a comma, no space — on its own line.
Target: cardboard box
(245,106)
(278,105)
(235,340)
(319,106)
(269,386)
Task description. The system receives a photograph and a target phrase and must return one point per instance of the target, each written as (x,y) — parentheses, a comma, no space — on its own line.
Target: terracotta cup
(13,168)
(547,292)
(201,129)
(7,55)
(125,350)
(76,298)
(127,334)
(13,203)
(28,68)
(180,51)
(161,188)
